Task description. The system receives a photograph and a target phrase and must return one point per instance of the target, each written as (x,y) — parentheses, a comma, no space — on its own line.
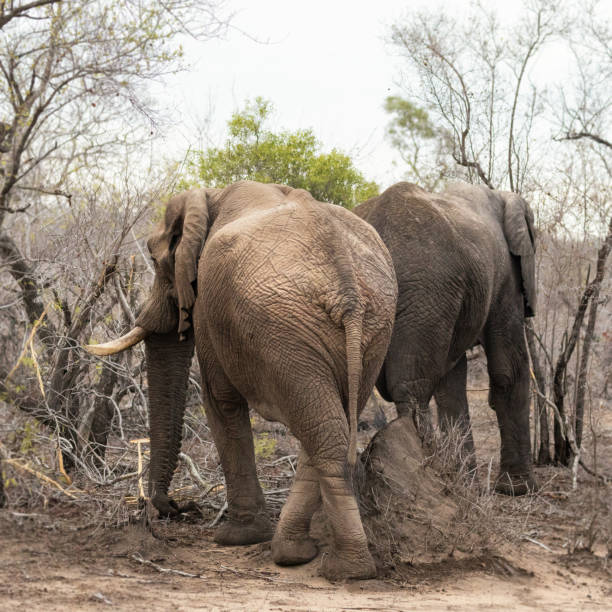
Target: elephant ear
(519,232)
(193,236)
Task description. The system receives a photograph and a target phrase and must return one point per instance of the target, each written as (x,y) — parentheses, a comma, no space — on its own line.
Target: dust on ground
(549,551)
(47,563)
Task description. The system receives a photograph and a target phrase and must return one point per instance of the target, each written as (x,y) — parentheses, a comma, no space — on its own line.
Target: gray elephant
(290,305)
(464,261)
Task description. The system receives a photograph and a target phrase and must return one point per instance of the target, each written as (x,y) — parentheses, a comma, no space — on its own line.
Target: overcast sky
(325,65)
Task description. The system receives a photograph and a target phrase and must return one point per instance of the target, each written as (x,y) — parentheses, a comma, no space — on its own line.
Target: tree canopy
(422,145)
(255,152)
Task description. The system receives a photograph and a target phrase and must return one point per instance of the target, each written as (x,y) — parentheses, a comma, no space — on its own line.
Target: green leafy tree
(253,151)
(421,144)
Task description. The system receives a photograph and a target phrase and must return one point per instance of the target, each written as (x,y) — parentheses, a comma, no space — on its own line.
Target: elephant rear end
(282,286)
(297,312)
(289,303)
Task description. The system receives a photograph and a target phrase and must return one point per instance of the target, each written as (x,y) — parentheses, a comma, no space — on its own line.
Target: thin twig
(120,478)
(533,541)
(163,570)
(193,470)
(28,342)
(39,475)
(219,515)
(276,491)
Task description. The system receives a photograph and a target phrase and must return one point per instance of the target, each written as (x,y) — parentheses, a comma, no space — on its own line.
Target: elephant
(465,266)
(289,303)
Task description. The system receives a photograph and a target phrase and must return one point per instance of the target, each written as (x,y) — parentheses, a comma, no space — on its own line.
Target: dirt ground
(81,570)
(57,558)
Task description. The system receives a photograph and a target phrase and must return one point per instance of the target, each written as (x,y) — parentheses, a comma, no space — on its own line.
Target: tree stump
(409,511)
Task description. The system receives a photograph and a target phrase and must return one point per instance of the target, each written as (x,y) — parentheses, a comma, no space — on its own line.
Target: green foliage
(265,445)
(422,145)
(408,120)
(254,152)
(27,362)
(29,433)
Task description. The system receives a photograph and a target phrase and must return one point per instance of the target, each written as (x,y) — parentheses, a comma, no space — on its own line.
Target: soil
(56,557)
(47,566)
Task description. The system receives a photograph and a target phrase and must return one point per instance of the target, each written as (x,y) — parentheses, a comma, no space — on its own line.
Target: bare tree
(590,294)
(586,107)
(73,108)
(11,10)
(472,79)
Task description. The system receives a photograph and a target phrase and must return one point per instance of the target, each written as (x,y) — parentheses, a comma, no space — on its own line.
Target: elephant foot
(242,532)
(165,506)
(293,552)
(516,484)
(168,508)
(336,567)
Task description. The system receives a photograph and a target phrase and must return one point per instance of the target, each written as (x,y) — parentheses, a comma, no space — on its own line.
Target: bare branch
(11,12)
(593,137)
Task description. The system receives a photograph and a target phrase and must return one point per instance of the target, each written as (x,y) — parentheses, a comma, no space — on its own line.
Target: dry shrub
(420,508)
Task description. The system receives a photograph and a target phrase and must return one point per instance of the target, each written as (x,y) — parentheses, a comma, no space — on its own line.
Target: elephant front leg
(508,366)
(292,543)
(453,412)
(248,522)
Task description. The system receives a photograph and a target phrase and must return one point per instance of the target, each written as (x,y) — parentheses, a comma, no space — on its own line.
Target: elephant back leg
(319,421)
(453,414)
(292,543)
(508,366)
(411,369)
(228,418)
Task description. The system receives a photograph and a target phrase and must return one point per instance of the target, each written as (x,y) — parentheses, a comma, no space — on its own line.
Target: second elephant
(464,261)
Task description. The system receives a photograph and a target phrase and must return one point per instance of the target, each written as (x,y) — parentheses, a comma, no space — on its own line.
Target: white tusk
(134,336)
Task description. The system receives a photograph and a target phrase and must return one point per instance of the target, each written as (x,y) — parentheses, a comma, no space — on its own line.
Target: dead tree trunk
(602,255)
(2,493)
(103,413)
(562,447)
(62,404)
(543,454)
(581,380)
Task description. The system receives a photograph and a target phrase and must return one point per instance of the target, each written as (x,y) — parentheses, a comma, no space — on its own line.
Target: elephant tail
(353,324)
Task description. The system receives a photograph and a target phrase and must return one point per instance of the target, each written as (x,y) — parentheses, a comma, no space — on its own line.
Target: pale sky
(326,66)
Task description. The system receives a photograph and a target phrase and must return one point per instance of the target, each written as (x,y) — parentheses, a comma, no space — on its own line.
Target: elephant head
(165,324)
(175,246)
(519,231)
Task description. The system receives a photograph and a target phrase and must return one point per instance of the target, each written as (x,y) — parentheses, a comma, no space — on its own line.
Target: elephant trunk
(168,362)
(160,312)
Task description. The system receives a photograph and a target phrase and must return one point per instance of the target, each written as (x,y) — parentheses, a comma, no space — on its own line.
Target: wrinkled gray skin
(464,261)
(293,316)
